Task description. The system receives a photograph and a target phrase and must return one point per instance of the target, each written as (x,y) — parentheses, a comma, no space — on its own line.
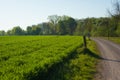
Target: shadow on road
(90,53)
(111,60)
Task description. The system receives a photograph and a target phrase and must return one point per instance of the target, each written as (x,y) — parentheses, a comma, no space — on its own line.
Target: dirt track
(109,67)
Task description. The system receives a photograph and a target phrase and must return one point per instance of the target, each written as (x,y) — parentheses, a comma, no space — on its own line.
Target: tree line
(64,25)
(57,25)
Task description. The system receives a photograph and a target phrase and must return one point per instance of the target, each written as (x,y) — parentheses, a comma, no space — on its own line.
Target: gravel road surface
(109,66)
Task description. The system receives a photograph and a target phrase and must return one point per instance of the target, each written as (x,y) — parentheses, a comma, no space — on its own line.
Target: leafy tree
(115,15)
(118,30)
(2,33)
(46,29)
(36,30)
(29,30)
(54,19)
(72,25)
(9,32)
(61,29)
(17,31)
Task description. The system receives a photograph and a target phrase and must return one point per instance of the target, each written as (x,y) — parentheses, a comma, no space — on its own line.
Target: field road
(109,66)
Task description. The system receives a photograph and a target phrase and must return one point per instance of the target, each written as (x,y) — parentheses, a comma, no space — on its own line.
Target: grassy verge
(80,66)
(115,39)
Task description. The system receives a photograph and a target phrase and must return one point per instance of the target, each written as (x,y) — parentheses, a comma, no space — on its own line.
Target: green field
(35,57)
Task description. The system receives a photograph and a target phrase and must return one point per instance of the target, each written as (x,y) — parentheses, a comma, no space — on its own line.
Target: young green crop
(26,57)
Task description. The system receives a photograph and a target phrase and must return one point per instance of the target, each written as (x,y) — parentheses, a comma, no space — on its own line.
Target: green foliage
(118,31)
(34,30)
(29,30)
(65,25)
(71,26)
(17,31)
(31,57)
(2,33)
(61,29)
(114,39)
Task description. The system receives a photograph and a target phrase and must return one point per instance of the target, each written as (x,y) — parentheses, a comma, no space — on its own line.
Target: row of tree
(64,25)
(57,25)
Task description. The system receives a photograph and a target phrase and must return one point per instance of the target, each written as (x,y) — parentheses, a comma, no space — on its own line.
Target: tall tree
(36,30)
(79,30)
(46,29)
(71,25)
(54,19)
(2,33)
(61,29)
(29,30)
(17,31)
(9,32)
(115,14)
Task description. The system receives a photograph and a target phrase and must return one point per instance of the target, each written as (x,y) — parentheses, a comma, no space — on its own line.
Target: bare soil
(109,66)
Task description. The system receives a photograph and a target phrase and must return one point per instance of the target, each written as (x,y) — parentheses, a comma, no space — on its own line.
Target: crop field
(27,57)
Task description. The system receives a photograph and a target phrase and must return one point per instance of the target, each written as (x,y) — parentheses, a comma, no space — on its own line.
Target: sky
(25,13)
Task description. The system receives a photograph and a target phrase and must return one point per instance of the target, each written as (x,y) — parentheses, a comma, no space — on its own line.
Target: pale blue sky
(28,12)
